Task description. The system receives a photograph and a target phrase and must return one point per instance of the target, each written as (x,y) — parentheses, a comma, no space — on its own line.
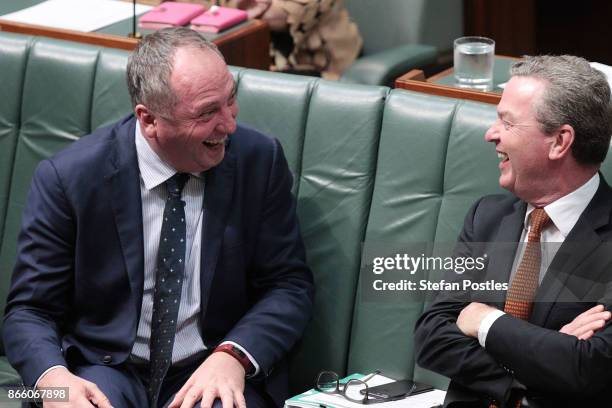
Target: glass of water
(473,62)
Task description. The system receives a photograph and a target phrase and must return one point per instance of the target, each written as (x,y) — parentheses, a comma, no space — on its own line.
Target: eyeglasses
(354,390)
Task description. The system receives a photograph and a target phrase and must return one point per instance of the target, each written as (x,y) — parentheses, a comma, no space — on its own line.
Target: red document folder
(170,14)
(217,19)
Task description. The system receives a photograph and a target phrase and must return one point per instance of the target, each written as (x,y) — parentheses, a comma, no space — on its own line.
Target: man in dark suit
(160,260)
(547,341)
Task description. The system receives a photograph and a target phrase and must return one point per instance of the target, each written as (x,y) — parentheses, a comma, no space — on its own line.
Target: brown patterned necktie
(519,300)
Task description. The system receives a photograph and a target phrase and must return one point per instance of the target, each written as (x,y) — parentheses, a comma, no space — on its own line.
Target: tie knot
(176,183)
(538,220)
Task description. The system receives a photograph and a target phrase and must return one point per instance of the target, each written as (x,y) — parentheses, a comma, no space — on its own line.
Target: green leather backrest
(12,68)
(386,24)
(61,91)
(369,165)
(111,99)
(336,184)
(405,204)
(281,114)
(329,133)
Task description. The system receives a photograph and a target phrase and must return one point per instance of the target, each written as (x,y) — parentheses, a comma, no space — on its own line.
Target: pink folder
(170,14)
(217,19)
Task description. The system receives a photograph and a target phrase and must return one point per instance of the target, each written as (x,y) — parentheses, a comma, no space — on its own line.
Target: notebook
(170,14)
(217,19)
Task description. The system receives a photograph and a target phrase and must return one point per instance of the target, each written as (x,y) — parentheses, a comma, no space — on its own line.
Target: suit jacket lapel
(582,240)
(501,256)
(217,203)
(123,180)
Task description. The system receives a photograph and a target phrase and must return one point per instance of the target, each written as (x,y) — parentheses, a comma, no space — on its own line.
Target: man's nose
(492,134)
(227,122)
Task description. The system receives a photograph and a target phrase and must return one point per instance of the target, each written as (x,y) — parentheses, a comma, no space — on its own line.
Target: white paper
(424,400)
(81,15)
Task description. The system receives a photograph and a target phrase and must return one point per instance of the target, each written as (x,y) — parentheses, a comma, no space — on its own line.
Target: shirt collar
(153,170)
(565,211)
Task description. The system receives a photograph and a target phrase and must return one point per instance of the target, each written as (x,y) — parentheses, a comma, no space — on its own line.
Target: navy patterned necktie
(168,284)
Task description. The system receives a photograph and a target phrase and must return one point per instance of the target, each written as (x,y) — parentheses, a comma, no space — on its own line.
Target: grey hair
(150,66)
(576,95)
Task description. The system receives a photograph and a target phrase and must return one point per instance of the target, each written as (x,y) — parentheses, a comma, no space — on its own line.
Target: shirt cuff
(248,355)
(486,324)
(45,372)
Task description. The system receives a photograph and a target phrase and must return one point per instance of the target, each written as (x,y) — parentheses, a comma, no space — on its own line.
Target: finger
(590,319)
(590,312)
(179,396)
(586,335)
(191,397)
(579,331)
(208,398)
(593,326)
(79,398)
(239,399)
(97,397)
(227,399)
(595,309)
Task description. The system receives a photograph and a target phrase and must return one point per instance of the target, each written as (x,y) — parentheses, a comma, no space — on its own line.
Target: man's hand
(471,316)
(587,323)
(82,393)
(219,376)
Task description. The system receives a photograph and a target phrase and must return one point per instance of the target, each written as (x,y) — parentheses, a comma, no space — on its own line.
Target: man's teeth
(502,156)
(215,141)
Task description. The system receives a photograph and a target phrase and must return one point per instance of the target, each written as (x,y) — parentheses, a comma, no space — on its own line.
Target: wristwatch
(239,355)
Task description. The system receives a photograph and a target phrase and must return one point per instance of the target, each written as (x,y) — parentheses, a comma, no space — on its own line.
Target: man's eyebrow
(505,115)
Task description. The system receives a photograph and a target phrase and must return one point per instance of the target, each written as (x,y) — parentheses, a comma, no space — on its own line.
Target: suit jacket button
(107,359)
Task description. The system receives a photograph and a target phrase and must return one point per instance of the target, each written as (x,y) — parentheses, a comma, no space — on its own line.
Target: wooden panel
(533,27)
(245,47)
(408,82)
(511,23)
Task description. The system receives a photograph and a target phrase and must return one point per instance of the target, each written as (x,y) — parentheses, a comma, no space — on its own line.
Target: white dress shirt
(564,214)
(153,174)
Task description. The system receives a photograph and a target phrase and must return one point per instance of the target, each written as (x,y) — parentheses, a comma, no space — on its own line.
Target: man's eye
(507,125)
(206,116)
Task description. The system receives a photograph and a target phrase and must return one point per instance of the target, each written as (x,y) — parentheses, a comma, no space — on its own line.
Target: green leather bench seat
(370,164)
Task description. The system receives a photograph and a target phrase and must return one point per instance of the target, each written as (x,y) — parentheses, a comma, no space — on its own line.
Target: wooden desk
(443,84)
(246,45)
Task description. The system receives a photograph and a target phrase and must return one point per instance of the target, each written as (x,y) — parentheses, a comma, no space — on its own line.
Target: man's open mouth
(215,142)
(502,156)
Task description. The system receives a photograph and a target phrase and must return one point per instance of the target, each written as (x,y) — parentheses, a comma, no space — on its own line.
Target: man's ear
(147,120)
(562,144)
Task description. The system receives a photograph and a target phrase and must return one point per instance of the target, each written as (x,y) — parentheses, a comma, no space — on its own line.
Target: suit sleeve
(281,278)
(552,362)
(39,296)
(443,348)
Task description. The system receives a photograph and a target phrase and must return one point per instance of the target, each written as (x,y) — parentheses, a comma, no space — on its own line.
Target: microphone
(134,33)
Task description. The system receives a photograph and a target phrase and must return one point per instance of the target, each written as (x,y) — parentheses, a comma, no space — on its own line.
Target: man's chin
(212,159)
(507,183)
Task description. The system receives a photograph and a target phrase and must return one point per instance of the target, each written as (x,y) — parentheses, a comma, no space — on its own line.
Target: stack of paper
(81,15)
(316,399)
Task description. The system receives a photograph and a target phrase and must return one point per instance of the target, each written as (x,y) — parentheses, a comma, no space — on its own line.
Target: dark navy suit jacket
(78,281)
(558,370)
